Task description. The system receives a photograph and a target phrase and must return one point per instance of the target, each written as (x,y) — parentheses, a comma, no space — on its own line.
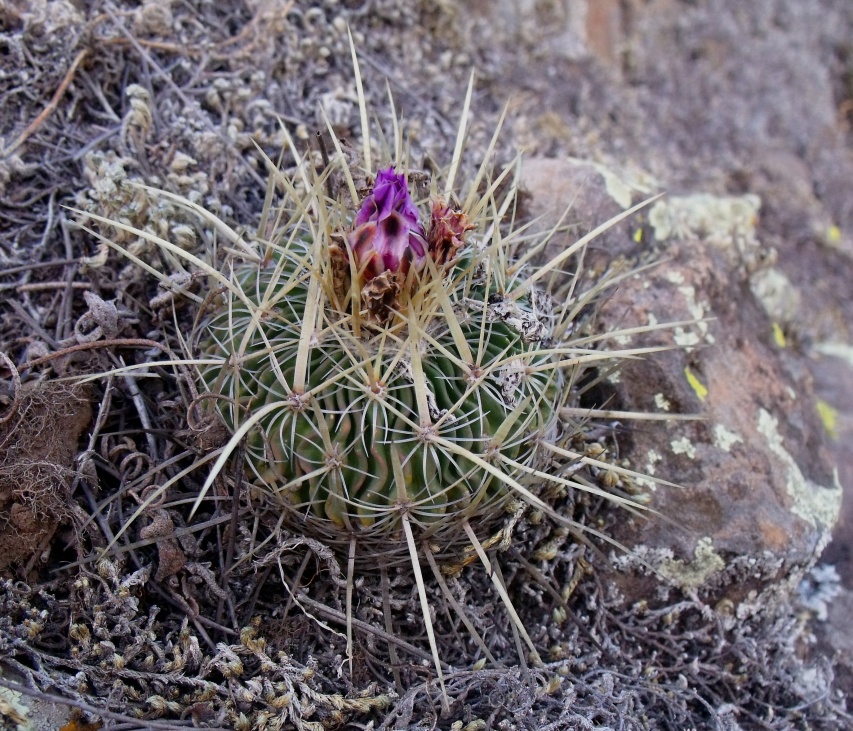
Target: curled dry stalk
(399,387)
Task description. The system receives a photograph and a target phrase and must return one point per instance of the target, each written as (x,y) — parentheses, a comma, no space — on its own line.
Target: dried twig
(45,286)
(114,343)
(99,711)
(16,389)
(48,110)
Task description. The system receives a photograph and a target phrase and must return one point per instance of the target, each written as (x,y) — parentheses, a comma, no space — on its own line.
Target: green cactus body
(330,456)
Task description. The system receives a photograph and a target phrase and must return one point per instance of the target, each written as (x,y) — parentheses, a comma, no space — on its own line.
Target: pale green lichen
(727,222)
(614,377)
(662,402)
(685,340)
(693,574)
(652,458)
(844,351)
(22,713)
(688,338)
(697,311)
(683,446)
(725,439)
(776,294)
(616,188)
(13,713)
(812,502)
(622,186)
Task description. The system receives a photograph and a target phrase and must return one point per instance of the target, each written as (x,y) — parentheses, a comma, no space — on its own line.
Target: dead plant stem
(114,343)
(51,106)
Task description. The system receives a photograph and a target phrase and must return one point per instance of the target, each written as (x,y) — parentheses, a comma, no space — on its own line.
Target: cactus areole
(378,365)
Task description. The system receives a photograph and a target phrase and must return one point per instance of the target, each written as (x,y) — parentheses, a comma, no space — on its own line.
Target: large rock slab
(755,493)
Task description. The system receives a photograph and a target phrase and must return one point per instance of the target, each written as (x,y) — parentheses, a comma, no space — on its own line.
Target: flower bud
(388,235)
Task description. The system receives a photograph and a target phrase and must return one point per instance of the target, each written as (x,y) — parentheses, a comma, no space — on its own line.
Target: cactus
(375,400)
(401,375)
(398,377)
(385,372)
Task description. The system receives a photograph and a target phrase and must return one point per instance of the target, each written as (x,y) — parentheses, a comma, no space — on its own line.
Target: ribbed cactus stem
(445,371)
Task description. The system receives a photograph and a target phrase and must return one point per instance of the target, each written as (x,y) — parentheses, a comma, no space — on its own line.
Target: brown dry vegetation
(175,624)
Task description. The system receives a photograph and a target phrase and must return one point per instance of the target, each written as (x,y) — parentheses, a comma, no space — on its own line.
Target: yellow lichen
(833,235)
(700,388)
(828,417)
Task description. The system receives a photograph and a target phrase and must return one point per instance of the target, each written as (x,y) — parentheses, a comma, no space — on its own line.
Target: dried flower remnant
(380,297)
(447,230)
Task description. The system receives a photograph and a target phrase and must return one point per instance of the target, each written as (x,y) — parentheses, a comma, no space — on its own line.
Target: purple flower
(388,235)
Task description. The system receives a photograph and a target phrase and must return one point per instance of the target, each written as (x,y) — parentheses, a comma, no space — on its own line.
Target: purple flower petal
(388,233)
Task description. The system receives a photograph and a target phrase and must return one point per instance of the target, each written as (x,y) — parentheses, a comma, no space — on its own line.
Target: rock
(37,712)
(549,28)
(593,193)
(755,494)
(567,29)
(725,98)
(832,365)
